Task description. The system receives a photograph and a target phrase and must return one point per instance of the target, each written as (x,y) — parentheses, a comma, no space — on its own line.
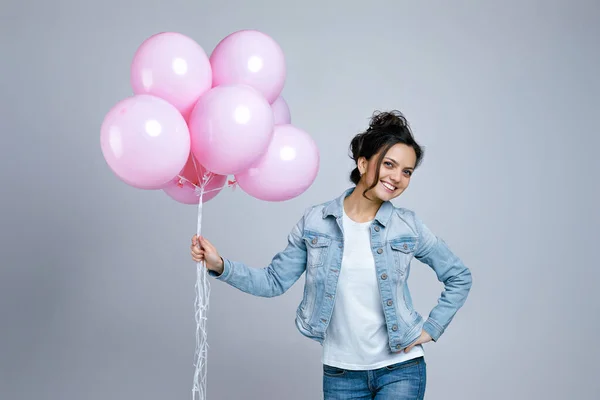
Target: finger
(198,253)
(195,249)
(409,348)
(416,343)
(206,244)
(194,240)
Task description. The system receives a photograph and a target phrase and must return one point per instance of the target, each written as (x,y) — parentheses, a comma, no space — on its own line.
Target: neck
(360,209)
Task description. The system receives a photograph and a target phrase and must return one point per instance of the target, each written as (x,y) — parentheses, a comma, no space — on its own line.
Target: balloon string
(201,308)
(198,188)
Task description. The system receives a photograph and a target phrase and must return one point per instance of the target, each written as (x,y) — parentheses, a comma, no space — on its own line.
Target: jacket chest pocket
(317,248)
(403,249)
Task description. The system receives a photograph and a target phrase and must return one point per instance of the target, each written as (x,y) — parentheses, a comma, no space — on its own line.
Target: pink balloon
(230,128)
(193,171)
(145,141)
(288,168)
(185,192)
(250,57)
(281,112)
(173,67)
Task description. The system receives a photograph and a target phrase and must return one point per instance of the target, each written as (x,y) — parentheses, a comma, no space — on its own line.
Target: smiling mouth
(388,186)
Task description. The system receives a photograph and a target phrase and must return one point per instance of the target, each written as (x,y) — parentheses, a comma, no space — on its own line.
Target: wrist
(221,266)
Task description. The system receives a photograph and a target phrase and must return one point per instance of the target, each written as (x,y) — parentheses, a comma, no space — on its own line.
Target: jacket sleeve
(451,271)
(275,279)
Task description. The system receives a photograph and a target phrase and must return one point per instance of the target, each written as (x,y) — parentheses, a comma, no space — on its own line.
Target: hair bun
(388,119)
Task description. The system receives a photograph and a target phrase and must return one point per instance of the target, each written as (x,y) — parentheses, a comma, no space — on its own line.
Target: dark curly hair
(385,130)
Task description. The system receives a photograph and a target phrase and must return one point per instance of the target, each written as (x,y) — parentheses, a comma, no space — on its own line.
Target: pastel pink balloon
(281,112)
(145,141)
(173,67)
(288,168)
(250,57)
(193,171)
(230,128)
(185,192)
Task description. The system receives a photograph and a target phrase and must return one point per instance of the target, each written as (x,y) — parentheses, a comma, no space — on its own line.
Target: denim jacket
(315,246)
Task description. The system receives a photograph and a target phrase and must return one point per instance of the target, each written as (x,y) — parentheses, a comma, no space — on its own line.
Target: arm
(451,271)
(275,279)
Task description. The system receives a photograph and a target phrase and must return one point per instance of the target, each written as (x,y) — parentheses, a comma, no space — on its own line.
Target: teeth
(387,185)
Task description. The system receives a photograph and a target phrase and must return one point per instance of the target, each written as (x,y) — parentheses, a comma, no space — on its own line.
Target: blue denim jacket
(315,246)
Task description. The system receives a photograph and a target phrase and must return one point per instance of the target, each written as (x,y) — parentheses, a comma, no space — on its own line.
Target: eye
(388,164)
(408,172)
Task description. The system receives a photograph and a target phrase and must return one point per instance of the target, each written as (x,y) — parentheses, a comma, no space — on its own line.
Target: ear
(362,165)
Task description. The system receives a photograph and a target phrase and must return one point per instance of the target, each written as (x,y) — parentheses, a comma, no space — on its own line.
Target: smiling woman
(356,251)
(387,143)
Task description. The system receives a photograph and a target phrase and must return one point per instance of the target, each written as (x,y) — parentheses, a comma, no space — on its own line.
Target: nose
(397,177)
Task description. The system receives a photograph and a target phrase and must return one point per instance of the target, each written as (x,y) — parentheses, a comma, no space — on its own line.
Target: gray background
(96,282)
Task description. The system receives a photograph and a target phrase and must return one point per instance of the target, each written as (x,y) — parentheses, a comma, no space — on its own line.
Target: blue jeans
(402,381)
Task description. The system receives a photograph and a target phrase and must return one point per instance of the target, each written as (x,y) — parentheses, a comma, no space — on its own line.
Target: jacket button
(376,229)
(395,328)
(398,347)
(379,251)
(384,276)
(405,246)
(314,241)
(390,302)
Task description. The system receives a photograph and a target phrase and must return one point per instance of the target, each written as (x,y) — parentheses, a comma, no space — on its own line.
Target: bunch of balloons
(192,116)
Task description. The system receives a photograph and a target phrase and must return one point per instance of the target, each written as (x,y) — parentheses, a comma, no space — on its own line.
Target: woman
(356,251)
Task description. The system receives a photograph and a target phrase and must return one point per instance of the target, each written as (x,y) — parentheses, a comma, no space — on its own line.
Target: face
(397,167)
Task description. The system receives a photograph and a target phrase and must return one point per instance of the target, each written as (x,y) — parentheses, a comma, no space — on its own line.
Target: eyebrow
(396,162)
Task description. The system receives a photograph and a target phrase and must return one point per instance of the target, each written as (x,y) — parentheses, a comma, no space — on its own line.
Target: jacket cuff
(227,270)
(433,328)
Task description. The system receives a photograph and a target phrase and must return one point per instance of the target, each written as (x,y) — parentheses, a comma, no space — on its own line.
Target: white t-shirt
(357,333)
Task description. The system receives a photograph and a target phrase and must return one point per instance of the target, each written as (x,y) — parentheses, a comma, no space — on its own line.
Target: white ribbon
(201,308)
(202,294)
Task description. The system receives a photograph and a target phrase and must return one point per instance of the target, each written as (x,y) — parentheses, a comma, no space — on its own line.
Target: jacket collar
(335,208)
